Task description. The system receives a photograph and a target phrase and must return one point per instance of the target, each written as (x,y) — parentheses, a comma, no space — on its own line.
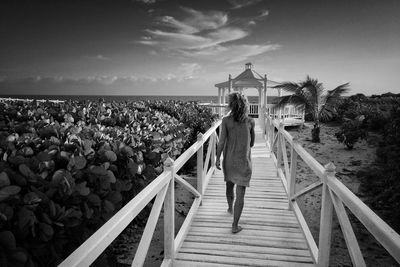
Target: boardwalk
(271,234)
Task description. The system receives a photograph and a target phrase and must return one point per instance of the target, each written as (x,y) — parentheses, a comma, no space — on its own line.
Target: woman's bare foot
(236,229)
(230,211)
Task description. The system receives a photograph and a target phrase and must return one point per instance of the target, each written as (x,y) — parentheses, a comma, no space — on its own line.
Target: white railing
(162,188)
(335,196)
(253,109)
(286,112)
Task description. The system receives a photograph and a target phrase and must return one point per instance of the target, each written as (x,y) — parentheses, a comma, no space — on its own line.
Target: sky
(184,47)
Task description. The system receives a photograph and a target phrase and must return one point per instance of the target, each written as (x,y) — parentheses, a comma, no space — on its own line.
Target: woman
(236,139)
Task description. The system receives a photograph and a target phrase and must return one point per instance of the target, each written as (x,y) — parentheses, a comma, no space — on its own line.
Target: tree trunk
(315,133)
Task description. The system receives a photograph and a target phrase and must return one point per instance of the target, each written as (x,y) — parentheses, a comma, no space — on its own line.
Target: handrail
(335,195)
(162,188)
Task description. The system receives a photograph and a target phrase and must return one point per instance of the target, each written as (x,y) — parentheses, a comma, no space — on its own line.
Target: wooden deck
(271,234)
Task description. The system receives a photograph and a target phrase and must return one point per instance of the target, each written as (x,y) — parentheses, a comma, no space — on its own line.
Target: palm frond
(333,95)
(290,87)
(331,99)
(313,91)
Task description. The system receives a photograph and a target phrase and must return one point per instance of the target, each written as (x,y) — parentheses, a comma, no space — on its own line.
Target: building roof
(249,78)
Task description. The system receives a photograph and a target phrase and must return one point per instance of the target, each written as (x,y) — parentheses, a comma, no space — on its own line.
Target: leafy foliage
(66,168)
(351,131)
(376,110)
(381,181)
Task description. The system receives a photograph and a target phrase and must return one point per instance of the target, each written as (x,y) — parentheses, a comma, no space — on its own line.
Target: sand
(347,162)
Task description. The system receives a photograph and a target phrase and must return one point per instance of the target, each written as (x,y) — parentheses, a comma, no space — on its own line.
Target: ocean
(117,98)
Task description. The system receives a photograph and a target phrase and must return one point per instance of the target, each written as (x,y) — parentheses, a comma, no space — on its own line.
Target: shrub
(381,181)
(351,131)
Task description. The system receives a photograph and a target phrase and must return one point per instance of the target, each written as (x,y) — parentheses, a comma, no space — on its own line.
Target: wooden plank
(253,235)
(184,263)
(248,255)
(236,239)
(226,231)
(261,228)
(238,261)
(244,248)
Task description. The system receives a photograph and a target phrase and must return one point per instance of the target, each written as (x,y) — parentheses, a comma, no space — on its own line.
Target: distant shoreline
(196,98)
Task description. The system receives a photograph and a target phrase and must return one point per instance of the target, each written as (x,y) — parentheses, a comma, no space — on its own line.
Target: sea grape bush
(351,131)
(197,118)
(66,168)
(381,180)
(375,109)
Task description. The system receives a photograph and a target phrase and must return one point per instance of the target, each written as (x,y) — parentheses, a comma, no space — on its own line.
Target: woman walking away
(236,139)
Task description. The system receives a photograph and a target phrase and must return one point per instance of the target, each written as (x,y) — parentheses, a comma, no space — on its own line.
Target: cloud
(195,21)
(98,57)
(146,1)
(204,35)
(264,13)
(205,21)
(182,41)
(233,53)
(242,3)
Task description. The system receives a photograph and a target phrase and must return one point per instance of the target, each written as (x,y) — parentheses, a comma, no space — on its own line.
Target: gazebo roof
(249,78)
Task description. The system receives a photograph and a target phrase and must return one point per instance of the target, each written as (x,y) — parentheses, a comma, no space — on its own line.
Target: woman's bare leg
(230,196)
(239,202)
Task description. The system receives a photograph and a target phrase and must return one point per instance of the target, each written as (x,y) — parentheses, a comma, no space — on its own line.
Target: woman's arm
(252,134)
(221,143)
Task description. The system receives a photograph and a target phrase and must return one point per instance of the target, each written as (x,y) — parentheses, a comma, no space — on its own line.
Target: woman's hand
(218,164)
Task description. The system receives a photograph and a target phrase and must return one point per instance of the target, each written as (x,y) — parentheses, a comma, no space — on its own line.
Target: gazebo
(249,78)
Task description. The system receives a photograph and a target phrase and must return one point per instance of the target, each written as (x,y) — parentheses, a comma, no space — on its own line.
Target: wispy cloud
(236,4)
(264,13)
(203,35)
(145,1)
(98,57)
(233,53)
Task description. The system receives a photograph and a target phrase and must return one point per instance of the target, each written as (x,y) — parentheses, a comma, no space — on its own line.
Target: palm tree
(310,94)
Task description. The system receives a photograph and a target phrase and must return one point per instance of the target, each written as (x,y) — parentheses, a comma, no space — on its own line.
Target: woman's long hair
(239,106)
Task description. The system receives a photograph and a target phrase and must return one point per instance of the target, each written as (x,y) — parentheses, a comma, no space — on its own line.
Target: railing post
(272,134)
(279,151)
(200,163)
(213,148)
(293,168)
(325,229)
(169,214)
